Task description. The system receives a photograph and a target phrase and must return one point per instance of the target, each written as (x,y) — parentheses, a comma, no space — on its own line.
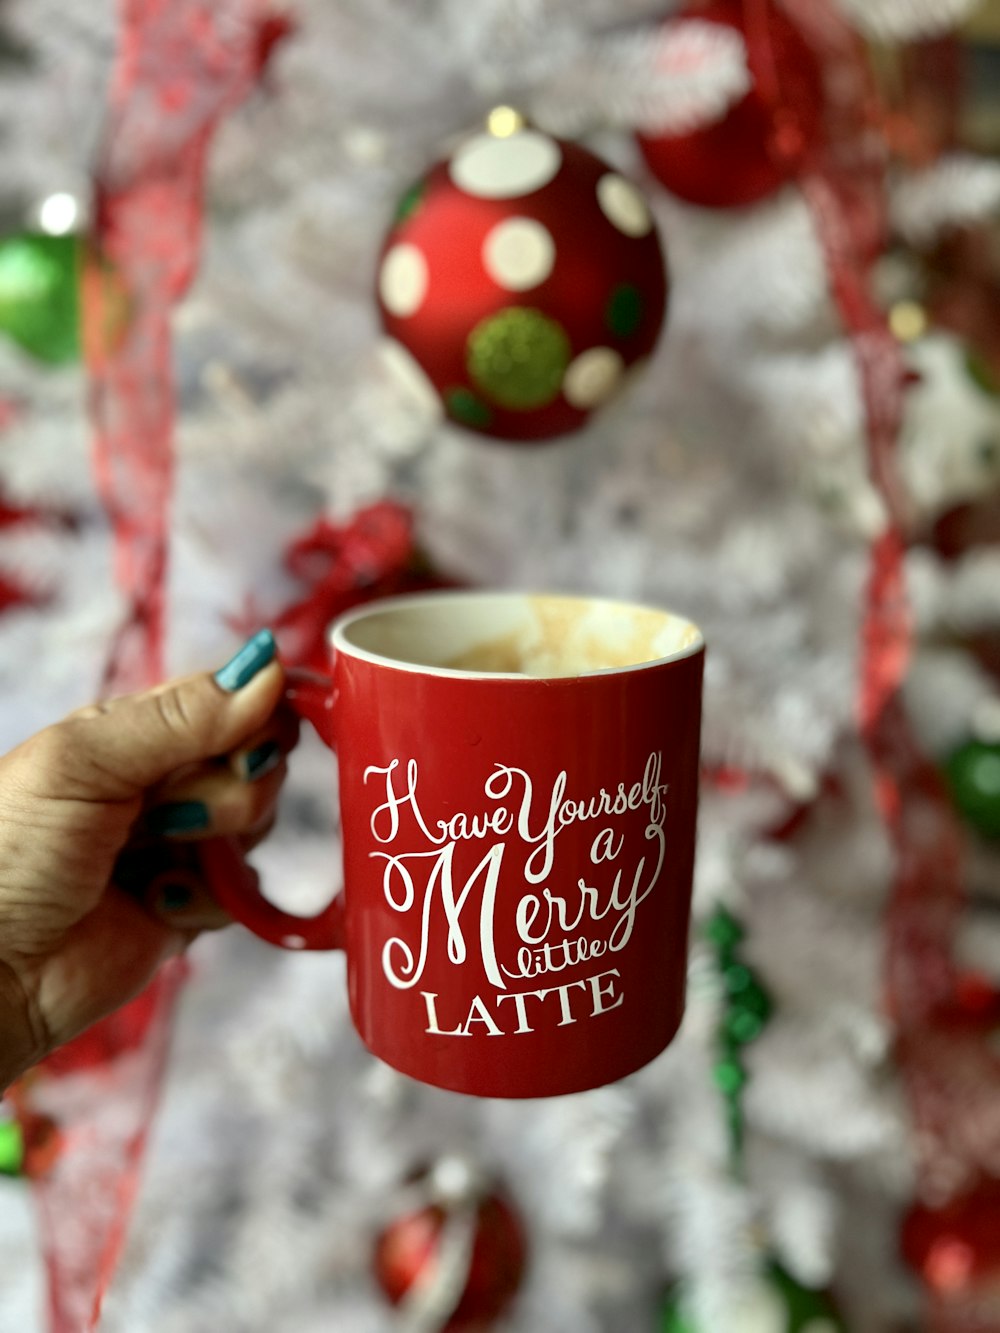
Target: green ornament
(11,1148)
(623,313)
(973,775)
(518,358)
(465,407)
(40,295)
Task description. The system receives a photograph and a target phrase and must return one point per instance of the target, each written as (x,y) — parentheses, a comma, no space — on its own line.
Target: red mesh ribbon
(180,65)
(373,555)
(919,971)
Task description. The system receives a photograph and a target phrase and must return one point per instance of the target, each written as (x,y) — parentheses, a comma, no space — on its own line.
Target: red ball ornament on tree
(955,1250)
(524,276)
(457,1257)
(765,138)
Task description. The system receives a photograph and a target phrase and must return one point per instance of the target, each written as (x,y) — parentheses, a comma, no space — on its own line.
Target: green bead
(724,931)
(730,1076)
(518,358)
(11,1148)
(973,775)
(738,980)
(40,295)
(743,1027)
(466,408)
(623,313)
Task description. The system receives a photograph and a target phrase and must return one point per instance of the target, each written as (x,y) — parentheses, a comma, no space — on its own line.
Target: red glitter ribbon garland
(181,64)
(920,976)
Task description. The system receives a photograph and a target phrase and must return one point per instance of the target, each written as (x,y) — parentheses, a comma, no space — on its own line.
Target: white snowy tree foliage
(729,481)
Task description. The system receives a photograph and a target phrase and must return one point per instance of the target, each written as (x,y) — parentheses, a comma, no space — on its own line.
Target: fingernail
(255,654)
(177,817)
(263,759)
(173,897)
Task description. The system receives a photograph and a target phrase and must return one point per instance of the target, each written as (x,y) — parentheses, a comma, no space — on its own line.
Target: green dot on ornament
(410,201)
(623,312)
(40,295)
(518,358)
(465,407)
(973,775)
(11,1148)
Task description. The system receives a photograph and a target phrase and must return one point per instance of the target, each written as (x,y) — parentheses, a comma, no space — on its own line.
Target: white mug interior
(514,634)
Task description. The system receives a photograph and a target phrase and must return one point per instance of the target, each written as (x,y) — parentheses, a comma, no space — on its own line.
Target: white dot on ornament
(593,377)
(492,168)
(623,205)
(403,367)
(519,253)
(403,280)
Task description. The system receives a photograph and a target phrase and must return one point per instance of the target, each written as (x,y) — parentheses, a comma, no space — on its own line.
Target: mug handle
(231,883)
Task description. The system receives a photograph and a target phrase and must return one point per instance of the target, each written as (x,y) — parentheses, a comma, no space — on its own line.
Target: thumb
(114,750)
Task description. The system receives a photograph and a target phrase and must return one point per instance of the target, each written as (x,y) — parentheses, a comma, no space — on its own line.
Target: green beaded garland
(11,1148)
(518,358)
(973,775)
(40,295)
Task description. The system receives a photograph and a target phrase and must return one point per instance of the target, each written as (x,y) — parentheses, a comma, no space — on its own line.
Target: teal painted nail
(255,654)
(263,759)
(178,817)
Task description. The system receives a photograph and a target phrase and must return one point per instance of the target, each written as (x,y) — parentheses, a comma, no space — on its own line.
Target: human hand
(113,787)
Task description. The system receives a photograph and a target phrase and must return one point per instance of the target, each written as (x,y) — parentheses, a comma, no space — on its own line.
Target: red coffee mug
(518,792)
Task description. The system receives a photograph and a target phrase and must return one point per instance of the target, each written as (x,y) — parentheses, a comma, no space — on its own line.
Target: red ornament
(524,276)
(765,138)
(956,1249)
(459,1257)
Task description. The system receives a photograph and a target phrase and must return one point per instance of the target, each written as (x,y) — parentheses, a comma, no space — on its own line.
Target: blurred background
(697,305)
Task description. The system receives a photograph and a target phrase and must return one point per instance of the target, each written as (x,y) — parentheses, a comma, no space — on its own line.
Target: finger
(213,805)
(166,879)
(114,751)
(262,751)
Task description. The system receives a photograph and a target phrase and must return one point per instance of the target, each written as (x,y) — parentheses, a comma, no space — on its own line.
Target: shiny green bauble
(40,295)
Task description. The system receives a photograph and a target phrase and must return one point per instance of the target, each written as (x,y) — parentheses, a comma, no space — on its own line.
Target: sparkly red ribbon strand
(181,64)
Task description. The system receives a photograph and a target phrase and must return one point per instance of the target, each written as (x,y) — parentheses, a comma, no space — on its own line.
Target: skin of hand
(132,782)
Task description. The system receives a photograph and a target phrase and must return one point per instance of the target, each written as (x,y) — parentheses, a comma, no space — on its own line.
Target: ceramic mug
(518,792)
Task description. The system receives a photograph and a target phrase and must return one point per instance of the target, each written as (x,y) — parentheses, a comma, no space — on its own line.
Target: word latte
(537,883)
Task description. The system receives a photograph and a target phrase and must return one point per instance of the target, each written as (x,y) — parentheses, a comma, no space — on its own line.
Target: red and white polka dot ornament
(524,277)
(765,138)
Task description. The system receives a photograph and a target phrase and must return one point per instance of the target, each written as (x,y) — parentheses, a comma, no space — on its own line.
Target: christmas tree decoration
(765,138)
(40,295)
(775,1303)
(455,1258)
(29,1146)
(525,277)
(973,775)
(746,1009)
(955,1250)
(44,278)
